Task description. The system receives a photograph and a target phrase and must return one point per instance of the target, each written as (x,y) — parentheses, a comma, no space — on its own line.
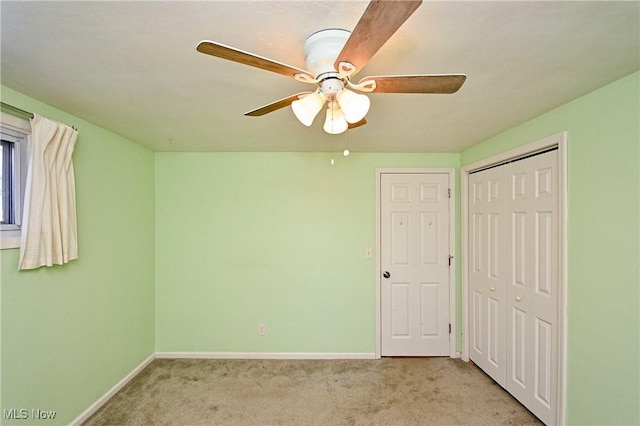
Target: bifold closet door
(513,270)
(532,283)
(487,270)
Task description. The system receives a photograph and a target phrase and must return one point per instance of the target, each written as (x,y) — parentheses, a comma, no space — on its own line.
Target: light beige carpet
(390,391)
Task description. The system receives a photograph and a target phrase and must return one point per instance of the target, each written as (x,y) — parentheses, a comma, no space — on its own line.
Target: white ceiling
(132,68)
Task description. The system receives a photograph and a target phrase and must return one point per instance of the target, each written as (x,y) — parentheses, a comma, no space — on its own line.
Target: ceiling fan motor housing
(322,48)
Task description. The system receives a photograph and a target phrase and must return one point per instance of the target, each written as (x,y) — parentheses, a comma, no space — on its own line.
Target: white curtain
(49,231)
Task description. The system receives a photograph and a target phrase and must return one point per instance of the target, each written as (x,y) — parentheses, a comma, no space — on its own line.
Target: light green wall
(603,248)
(279,238)
(70,333)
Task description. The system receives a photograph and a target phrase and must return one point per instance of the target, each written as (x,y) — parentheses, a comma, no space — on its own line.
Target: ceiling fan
(333,57)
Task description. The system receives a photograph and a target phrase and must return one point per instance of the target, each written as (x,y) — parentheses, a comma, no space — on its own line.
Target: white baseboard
(264,355)
(104,398)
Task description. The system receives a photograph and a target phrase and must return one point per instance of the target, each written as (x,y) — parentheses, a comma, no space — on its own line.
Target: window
(14,136)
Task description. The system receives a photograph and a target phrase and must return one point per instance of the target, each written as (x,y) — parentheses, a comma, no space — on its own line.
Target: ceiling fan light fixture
(335,123)
(308,107)
(355,106)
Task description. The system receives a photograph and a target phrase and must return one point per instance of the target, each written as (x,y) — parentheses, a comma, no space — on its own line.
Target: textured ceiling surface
(132,68)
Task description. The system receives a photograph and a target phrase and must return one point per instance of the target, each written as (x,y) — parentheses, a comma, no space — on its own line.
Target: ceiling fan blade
(275,105)
(232,54)
(379,22)
(357,124)
(434,83)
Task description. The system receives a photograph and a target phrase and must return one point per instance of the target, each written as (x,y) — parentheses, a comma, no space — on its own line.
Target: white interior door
(513,269)
(415,248)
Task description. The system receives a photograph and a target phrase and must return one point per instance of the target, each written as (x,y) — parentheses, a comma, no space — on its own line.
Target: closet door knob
(492,288)
(518,298)
(386,274)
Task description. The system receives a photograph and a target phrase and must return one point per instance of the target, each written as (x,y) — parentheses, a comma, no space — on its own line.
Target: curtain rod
(15,110)
(20,112)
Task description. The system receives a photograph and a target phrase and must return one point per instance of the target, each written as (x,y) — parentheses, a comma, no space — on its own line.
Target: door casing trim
(451,172)
(556,140)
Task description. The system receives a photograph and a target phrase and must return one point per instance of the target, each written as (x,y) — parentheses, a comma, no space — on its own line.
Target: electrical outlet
(262,329)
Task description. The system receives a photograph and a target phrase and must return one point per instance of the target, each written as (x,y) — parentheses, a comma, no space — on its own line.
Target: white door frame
(452,249)
(557,140)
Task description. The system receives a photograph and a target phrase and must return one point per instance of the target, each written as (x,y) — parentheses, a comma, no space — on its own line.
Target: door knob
(492,288)
(386,274)
(518,298)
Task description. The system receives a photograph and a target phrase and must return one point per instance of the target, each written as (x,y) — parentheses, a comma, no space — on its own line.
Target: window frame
(18,131)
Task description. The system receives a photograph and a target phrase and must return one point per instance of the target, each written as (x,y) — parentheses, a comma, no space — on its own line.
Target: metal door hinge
(449,328)
(449,192)
(450,259)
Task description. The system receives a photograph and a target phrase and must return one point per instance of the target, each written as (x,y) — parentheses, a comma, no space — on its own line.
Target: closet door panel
(532,282)
(487,272)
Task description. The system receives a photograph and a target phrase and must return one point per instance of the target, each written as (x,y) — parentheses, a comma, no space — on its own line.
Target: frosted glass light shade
(354,106)
(307,108)
(335,122)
